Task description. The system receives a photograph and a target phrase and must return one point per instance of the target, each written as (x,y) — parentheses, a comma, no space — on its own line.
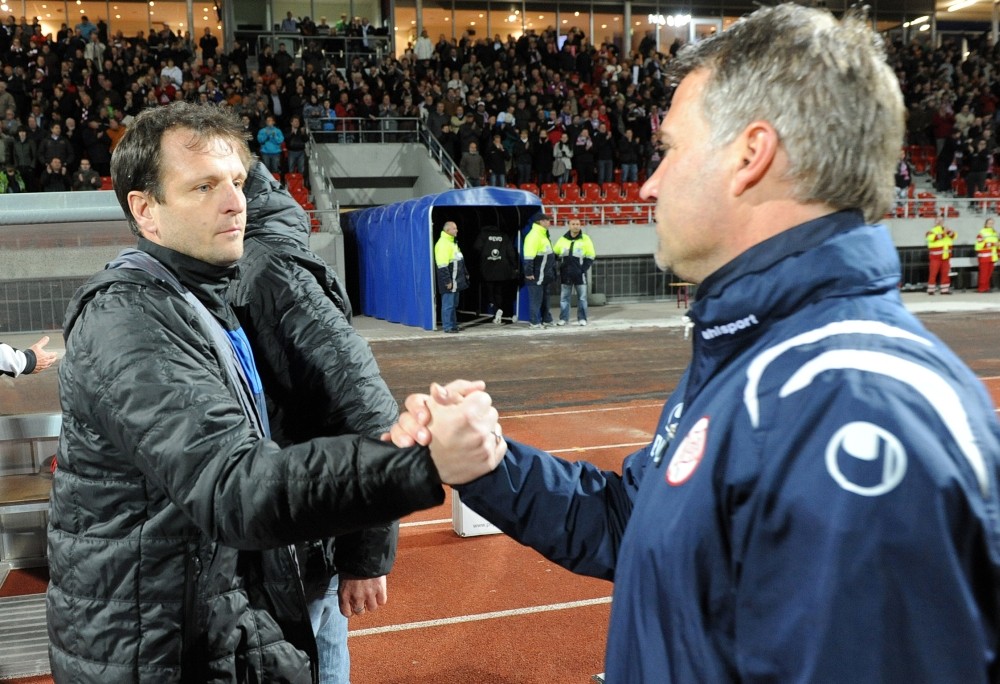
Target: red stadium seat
(592,193)
(572,194)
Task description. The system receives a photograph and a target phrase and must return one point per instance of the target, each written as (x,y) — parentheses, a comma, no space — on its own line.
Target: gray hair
(826,88)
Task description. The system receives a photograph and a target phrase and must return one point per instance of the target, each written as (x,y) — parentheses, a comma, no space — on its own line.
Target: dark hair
(135,164)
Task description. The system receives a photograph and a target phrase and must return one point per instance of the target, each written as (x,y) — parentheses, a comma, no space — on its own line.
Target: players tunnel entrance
(395,253)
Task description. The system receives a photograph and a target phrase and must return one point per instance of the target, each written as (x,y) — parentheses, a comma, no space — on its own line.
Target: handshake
(459,424)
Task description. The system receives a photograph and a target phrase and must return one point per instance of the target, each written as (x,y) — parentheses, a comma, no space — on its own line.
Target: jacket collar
(206,281)
(780,276)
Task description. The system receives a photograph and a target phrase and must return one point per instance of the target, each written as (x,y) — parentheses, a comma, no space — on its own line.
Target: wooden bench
(27,443)
(684,291)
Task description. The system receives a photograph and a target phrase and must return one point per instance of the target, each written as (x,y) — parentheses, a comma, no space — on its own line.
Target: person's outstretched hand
(43,359)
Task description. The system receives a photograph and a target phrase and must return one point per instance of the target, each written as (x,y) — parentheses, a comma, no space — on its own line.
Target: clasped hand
(459,424)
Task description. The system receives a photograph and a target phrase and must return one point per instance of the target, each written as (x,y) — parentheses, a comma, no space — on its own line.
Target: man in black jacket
(320,378)
(171,511)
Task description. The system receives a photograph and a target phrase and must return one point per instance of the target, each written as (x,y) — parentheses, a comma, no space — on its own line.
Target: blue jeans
(498,179)
(605,170)
(449,317)
(272,162)
(330,628)
(630,172)
(539,303)
(565,296)
(296,161)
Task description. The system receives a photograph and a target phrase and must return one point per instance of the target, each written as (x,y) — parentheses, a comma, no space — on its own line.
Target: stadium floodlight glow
(961,4)
(916,22)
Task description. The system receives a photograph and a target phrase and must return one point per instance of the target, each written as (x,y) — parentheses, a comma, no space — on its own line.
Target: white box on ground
(468,523)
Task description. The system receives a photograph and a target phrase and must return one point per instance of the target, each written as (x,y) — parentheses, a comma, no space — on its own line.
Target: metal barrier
(27,445)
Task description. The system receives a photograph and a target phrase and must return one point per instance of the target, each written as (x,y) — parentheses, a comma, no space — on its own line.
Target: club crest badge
(689,454)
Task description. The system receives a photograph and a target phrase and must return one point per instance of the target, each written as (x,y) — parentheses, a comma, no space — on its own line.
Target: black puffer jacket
(169,521)
(319,374)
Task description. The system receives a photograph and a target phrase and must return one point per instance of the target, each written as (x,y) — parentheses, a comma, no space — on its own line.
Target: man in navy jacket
(819,502)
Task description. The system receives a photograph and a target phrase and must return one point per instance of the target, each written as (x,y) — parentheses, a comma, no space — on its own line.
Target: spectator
(56,145)
(562,159)
(54,178)
(449,142)
(85,178)
(7,101)
(436,119)
(86,27)
(97,146)
(604,154)
(542,157)
(583,157)
(979,160)
(903,177)
(172,72)
(209,45)
(628,157)
(522,156)
(496,162)
(271,138)
(11,181)
(575,251)
(289,24)
(25,157)
(115,132)
(95,51)
(296,140)
(34,359)
(472,166)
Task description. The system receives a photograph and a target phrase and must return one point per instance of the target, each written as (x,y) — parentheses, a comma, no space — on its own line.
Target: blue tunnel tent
(394,246)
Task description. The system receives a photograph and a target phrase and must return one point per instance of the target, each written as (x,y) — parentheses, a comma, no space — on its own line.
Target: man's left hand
(359,594)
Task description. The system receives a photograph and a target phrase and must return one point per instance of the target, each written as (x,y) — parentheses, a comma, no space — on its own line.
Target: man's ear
(141,206)
(756,146)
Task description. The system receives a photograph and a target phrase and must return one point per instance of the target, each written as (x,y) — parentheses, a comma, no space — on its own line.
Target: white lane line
(479,616)
(418,523)
(575,411)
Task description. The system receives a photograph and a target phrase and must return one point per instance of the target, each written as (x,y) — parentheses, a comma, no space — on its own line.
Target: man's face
(84,165)
(689,187)
(204,210)
(575,227)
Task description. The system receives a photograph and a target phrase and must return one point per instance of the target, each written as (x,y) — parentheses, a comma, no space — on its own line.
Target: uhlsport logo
(689,454)
(865,459)
(729,328)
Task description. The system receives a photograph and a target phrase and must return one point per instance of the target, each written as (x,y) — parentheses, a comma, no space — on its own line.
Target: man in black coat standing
(498,266)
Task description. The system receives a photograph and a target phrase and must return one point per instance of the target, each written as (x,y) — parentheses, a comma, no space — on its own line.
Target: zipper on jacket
(189,628)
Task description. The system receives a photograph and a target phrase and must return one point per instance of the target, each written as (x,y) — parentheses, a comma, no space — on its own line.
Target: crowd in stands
(951,101)
(507,111)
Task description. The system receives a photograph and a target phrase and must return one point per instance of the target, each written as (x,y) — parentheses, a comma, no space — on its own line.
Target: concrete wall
(389,160)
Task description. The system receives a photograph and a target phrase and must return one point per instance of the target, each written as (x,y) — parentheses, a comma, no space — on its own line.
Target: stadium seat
(106,183)
(529,187)
(613,193)
(592,193)
(550,192)
(572,194)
